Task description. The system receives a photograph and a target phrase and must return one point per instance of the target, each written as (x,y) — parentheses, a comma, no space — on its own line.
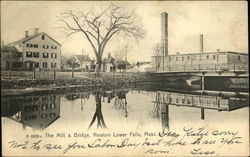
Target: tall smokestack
(164,32)
(201,43)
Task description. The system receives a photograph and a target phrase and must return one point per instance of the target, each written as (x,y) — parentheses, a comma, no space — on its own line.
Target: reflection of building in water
(121,101)
(37,112)
(199,101)
(202,101)
(109,94)
(72,97)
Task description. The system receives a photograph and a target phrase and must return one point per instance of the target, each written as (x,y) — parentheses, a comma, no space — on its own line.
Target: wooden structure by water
(200,101)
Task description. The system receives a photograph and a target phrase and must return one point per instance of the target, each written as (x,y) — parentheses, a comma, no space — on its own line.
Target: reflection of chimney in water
(165,115)
(164,32)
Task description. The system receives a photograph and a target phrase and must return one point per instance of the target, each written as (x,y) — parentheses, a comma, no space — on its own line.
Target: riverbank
(35,86)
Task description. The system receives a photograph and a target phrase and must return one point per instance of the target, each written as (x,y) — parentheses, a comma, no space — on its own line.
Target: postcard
(124,78)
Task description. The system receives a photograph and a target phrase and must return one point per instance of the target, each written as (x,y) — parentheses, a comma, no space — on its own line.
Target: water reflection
(39,112)
(98,113)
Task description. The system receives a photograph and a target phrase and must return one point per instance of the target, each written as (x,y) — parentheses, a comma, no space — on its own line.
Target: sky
(223,24)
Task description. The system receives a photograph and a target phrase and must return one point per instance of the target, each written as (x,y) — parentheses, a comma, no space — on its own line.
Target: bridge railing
(222,67)
(212,102)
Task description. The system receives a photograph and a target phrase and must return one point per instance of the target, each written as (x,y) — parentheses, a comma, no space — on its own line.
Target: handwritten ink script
(199,141)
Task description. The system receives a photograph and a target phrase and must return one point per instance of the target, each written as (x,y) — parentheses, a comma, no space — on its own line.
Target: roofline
(16,42)
(205,53)
(45,126)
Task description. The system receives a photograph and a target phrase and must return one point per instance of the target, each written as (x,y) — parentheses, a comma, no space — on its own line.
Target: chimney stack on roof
(26,34)
(36,31)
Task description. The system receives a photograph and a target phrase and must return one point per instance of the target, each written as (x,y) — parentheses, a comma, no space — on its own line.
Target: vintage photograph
(124,78)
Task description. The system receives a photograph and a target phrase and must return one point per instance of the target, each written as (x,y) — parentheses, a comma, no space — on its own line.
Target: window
(54,47)
(45,65)
(45,55)
(183,58)
(35,108)
(200,58)
(28,45)
(207,57)
(52,106)
(169,59)
(177,100)
(35,45)
(183,101)
(44,107)
(36,65)
(55,55)
(52,115)
(35,54)
(53,65)
(43,37)
(214,57)
(51,55)
(188,58)
(176,58)
(28,54)
(238,57)
(45,46)
(44,115)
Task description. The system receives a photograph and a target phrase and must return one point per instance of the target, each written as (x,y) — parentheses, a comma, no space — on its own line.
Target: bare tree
(100,27)
(157,52)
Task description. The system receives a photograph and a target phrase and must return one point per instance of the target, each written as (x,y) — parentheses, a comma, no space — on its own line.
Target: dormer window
(43,37)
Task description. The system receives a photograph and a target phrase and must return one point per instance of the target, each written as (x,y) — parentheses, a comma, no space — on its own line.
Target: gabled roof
(25,39)
(8,49)
(83,58)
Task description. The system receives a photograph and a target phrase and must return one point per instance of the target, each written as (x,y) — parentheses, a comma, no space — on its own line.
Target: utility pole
(126,48)
(82,58)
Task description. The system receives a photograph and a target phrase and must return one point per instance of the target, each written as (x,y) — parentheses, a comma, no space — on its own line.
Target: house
(38,51)
(64,65)
(10,58)
(84,61)
(108,64)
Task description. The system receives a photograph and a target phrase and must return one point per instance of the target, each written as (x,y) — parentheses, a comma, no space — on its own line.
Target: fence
(63,75)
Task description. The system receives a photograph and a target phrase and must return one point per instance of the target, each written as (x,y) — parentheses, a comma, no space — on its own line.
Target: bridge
(231,70)
(219,68)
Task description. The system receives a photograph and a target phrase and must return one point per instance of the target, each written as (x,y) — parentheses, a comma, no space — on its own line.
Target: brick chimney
(26,34)
(36,31)
(164,32)
(201,44)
